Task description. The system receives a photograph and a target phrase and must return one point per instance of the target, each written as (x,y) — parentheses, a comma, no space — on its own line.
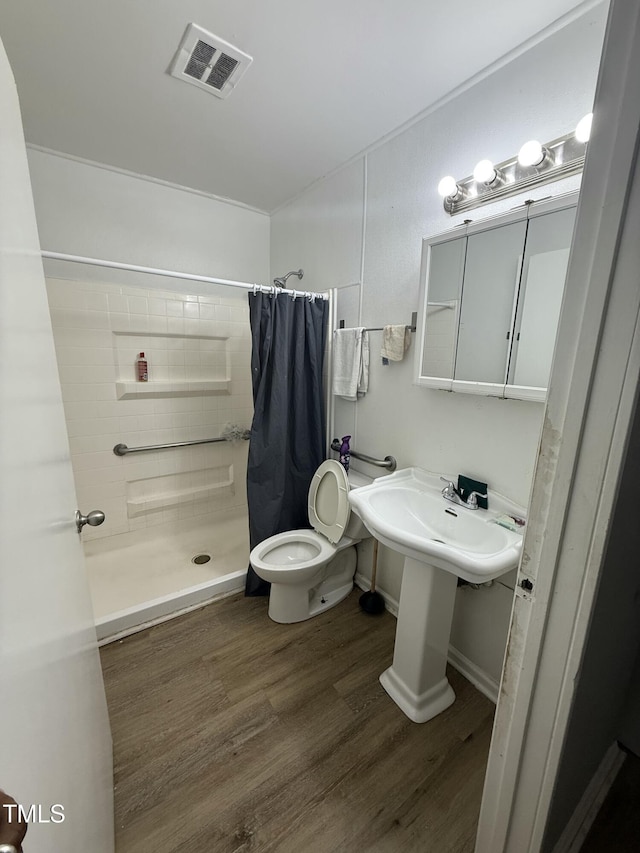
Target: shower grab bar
(388,461)
(122,449)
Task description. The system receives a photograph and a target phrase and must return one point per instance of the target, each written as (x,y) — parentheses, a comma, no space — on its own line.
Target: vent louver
(209,62)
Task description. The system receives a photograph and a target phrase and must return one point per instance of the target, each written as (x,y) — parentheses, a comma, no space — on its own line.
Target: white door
(55,743)
(592,396)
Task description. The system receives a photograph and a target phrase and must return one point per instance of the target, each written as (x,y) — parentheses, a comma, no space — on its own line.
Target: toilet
(312,570)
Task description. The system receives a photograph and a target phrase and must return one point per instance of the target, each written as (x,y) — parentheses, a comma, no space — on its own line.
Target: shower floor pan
(140,578)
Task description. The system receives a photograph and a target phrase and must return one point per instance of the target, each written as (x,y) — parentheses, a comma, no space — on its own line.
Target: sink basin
(441,541)
(406,512)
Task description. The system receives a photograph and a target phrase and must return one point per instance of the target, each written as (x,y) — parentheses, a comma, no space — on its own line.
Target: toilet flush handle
(93,519)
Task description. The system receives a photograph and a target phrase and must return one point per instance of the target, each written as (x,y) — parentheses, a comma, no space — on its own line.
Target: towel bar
(411,326)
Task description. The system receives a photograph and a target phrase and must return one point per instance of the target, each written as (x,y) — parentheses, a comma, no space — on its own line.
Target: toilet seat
(328,505)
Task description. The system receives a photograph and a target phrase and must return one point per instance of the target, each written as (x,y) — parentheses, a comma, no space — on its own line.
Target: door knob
(93,518)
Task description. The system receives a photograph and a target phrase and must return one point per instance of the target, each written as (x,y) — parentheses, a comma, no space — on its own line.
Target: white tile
(207,312)
(74,392)
(175,326)
(157,306)
(93,426)
(176,373)
(93,443)
(119,321)
(96,301)
(158,325)
(139,323)
(175,308)
(137,305)
(80,409)
(117,304)
(95,320)
(86,374)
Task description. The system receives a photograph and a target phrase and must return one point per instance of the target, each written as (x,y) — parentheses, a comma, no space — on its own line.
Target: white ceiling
(329,79)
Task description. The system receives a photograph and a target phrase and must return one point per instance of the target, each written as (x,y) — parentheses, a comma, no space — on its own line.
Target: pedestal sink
(441,541)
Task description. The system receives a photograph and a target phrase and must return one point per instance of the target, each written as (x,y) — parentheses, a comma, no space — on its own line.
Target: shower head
(280,282)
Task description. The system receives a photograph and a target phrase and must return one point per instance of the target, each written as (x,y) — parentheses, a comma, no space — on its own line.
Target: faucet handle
(472,499)
(449,490)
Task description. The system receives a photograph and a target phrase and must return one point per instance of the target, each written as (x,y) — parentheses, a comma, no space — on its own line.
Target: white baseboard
(581,820)
(472,672)
(478,677)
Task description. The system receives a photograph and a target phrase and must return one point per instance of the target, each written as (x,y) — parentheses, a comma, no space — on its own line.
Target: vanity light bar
(534,166)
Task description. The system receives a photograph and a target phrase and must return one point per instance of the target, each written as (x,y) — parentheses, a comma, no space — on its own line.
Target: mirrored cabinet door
(491,294)
(491,276)
(442,310)
(540,298)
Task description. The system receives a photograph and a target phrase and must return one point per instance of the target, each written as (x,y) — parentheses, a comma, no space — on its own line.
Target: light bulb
(583,129)
(448,187)
(484,172)
(531,154)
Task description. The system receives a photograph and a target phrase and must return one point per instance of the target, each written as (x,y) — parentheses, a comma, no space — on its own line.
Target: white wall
(372,216)
(86,210)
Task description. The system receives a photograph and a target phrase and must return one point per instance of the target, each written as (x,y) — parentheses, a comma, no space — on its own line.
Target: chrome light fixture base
(564,156)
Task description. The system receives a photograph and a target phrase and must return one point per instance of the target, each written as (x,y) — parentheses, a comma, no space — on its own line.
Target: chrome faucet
(450,493)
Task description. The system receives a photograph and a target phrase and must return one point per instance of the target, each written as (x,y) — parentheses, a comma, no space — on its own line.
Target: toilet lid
(329,507)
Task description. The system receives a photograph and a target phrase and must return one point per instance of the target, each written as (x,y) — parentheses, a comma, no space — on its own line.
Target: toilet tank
(355,527)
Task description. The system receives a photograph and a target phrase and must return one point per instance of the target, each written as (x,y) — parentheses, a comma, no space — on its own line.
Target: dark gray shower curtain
(288,430)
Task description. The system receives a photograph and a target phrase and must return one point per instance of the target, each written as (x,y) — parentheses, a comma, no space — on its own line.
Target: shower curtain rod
(205,279)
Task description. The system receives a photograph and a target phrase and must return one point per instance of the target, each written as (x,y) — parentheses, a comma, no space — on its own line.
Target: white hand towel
(395,342)
(350,362)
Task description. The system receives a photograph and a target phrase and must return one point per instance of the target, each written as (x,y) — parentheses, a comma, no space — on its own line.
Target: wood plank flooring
(233,734)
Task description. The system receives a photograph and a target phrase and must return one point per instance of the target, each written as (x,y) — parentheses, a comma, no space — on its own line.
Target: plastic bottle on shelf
(142,368)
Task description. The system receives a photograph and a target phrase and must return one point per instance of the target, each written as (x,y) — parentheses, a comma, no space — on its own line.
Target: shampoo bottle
(142,370)
(345,454)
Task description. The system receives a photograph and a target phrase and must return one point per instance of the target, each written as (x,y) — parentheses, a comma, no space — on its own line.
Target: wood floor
(232,733)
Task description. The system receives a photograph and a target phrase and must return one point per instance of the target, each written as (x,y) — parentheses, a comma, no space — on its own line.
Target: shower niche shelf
(131,390)
(172,489)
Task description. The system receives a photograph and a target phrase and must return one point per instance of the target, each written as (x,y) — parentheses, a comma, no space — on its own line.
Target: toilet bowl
(312,570)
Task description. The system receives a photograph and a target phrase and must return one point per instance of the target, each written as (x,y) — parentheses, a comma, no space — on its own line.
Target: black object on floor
(372,602)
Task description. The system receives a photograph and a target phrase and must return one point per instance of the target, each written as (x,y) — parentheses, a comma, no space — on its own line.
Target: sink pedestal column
(416,680)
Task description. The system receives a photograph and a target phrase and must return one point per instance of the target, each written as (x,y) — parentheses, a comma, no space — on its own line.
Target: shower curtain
(288,430)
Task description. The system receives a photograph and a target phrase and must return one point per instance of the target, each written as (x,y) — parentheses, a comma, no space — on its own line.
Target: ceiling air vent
(209,62)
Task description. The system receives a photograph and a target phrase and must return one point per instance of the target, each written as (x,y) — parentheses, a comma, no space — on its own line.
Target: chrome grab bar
(122,449)
(388,461)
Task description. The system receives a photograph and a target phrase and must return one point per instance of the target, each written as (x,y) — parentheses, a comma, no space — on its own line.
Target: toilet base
(320,603)
(289,603)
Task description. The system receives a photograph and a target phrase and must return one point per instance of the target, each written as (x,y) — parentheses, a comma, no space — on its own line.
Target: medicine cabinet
(490,300)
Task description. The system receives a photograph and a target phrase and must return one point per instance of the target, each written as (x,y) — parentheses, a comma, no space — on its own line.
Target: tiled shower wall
(198,349)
